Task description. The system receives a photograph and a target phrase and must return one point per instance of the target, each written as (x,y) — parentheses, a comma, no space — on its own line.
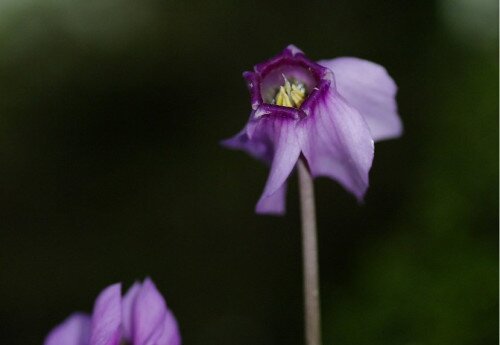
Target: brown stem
(310,256)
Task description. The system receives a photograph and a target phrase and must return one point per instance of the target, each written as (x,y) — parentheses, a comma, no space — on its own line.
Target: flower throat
(290,94)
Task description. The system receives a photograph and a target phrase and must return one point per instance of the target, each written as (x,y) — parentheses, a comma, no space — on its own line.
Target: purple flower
(141,317)
(328,112)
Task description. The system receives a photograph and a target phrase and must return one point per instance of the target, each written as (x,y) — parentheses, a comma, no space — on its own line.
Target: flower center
(290,94)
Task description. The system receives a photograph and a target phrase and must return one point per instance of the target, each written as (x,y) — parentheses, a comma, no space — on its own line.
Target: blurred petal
(75,330)
(148,313)
(170,334)
(336,142)
(368,87)
(256,147)
(280,134)
(127,310)
(107,317)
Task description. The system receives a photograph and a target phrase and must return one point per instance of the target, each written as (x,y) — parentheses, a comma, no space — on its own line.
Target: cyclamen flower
(141,317)
(329,113)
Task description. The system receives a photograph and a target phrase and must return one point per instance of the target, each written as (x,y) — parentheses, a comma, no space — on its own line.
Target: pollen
(290,94)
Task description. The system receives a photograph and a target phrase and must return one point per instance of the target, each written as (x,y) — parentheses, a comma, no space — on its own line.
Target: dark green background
(110,116)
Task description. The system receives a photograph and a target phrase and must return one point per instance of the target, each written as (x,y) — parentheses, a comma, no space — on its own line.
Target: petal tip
(292,50)
(273,204)
(360,197)
(266,211)
(74,330)
(111,291)
(107,316)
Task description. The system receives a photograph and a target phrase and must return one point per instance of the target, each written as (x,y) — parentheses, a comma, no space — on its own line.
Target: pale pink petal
(148,314)
(127,310)
(107,317)
(283,142)
(368,87)
(274,203)
(336,142)
(75,330)
(169,334)
(257,147)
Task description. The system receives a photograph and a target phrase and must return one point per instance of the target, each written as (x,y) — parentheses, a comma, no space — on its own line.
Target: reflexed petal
(75,330)
(368,87)
(170,334)
(107,317)
(148,313)
(257,147)
(336,142)
(274,203)
(127,310)
(283,142)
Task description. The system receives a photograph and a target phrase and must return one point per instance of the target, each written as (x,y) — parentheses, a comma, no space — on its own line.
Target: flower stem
(310,256)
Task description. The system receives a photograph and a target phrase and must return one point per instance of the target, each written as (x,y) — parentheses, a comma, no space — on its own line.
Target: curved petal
(280,135)
(148,313)
(368,87)
(107,317)
(336,142)
(170,334)
(75,330)
(127,310)
(255,147)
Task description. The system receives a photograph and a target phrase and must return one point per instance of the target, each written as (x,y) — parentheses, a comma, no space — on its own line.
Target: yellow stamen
(286,101)
(297,97)
(290,94)
(279,96)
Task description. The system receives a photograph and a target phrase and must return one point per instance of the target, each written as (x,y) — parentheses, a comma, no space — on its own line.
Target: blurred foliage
(111,114)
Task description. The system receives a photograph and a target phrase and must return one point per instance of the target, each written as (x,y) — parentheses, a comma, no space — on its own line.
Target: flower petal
(282,141)
(368,87)
(170,334)
(127,310)
(336,142)
(256,147)
(75,330)
(148,313)
(274,203)
(107,317)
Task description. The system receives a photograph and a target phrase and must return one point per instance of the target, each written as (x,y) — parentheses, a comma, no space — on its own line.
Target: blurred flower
(330,112)
(141,317)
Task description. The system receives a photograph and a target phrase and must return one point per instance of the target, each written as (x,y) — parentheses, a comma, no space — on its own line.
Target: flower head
(328,112)
(141,317)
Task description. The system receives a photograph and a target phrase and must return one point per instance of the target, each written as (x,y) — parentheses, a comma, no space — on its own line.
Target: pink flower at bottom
(141,317)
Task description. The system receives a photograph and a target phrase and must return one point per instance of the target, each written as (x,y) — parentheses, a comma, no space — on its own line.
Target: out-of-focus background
(110,116)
